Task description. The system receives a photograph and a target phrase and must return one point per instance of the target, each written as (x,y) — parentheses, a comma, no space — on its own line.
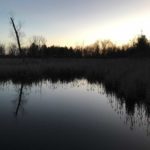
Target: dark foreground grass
(127,78)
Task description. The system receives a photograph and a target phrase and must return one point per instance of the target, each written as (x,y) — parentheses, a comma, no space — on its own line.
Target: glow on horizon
(120,32)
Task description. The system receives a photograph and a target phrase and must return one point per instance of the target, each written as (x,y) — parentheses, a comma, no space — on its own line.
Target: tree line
(140,47)
(100,49)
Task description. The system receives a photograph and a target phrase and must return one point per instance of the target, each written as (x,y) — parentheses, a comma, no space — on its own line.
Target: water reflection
(19,101)
(76,110)
(133,114)
(137,118)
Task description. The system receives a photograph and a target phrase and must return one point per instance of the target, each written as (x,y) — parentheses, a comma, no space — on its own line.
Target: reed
(127,78)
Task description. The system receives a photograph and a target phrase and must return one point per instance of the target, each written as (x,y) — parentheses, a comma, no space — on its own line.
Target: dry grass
(128,78)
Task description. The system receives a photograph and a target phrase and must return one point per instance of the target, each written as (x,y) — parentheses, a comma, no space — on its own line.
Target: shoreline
(127,78)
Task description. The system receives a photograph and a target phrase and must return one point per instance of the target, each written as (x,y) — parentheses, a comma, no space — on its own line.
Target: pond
(74,115)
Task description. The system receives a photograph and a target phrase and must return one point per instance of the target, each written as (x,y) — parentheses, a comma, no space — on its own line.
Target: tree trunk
(17,36)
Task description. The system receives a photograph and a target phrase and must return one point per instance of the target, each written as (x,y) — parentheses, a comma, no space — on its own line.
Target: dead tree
(17,36)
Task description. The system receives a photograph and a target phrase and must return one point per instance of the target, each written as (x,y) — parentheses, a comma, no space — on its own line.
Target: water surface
(74,115)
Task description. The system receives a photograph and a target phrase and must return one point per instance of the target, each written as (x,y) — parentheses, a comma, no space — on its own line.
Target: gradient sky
(74,22)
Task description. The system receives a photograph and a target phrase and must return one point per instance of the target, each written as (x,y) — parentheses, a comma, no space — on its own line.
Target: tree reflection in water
(20,100)
(137,116)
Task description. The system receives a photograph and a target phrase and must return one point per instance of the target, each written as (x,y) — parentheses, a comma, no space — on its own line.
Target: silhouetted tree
(12,50)
(33,50)
(43,51)
(142,43)
(38,40)
(17,35)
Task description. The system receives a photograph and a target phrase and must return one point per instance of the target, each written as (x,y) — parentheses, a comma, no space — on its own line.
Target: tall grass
(127,78)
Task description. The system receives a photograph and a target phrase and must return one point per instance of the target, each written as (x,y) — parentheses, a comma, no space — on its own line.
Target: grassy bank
(127,78)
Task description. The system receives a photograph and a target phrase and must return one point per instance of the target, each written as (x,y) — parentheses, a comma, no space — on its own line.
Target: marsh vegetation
(128,78)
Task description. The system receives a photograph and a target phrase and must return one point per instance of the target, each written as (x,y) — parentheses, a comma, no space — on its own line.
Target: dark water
(75,115)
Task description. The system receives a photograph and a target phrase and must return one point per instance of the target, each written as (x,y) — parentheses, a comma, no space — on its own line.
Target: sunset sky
(76,22)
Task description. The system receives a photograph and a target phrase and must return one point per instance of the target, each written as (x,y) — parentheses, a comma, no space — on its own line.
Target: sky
(76,22)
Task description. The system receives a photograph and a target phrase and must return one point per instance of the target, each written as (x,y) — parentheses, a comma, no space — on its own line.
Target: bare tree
(38,40)
(106,45)
(12,49)
(17,35)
